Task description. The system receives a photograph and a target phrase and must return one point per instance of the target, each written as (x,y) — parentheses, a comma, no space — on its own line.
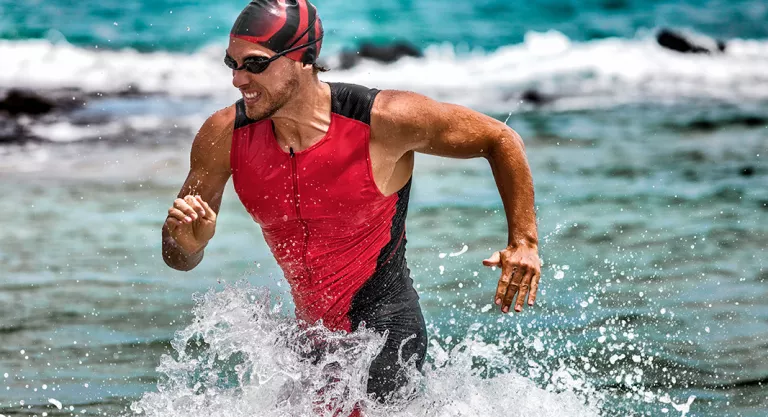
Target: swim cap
(280,25)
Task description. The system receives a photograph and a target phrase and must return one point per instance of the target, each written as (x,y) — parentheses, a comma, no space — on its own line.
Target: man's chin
(258,112)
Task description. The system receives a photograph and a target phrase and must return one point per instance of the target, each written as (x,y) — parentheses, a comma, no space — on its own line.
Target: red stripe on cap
(253,39)
(303,22)
(279,21)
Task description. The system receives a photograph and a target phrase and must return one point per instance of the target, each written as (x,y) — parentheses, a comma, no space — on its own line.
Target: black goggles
(258,64)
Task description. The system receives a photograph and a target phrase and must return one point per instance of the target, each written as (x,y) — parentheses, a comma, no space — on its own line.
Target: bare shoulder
(413,122)
(412,113)
(401,109)
(403,119)
(213,141)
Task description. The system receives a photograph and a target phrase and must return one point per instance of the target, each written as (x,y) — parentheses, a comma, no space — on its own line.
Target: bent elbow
(508,141)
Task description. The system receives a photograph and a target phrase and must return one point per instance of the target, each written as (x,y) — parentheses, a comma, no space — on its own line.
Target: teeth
(250,95)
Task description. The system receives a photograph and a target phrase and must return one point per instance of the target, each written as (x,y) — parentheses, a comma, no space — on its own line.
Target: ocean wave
(590,74)
(46,65)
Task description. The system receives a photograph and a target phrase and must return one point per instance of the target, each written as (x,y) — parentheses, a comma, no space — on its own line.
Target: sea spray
(240,355)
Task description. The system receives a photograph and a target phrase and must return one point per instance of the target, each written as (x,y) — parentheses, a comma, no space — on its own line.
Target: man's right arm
(208,175)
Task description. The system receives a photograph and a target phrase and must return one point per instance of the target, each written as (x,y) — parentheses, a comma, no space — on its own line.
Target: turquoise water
(185,26)
(650,172)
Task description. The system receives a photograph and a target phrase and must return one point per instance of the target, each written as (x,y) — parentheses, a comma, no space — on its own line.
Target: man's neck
(304,120)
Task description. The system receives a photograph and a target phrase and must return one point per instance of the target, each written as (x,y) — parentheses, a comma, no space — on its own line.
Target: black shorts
(406,344)
(406,337)
(389,303)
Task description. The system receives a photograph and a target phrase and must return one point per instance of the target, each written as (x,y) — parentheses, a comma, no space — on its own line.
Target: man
(325,169)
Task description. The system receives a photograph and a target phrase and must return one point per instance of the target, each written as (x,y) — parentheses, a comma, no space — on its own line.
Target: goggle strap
(309,26)
(296,48)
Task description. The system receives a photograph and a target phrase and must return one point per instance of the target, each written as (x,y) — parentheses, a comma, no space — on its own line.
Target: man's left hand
(520,272)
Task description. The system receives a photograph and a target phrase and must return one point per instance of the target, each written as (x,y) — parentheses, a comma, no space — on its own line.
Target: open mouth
(251,97)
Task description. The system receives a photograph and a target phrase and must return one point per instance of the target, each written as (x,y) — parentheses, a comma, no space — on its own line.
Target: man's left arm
(413,123)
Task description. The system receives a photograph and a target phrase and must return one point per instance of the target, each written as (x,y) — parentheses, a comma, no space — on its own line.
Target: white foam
(463,250)
(588,74)
(597,73)
(55,402)
(66,131)
(250,361)
(41,64)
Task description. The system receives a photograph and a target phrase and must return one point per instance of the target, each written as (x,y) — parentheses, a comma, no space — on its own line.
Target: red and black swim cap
(281,25)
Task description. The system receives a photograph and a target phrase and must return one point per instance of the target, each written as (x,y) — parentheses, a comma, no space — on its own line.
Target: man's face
(265,93)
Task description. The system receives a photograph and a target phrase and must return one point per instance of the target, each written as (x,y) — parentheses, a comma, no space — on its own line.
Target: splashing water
(241,356)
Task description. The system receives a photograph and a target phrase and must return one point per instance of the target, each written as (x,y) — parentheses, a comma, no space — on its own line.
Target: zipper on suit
(297,206)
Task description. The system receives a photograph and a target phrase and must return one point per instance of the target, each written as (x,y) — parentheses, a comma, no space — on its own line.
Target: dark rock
(746,121)
(66,99)
(677,42)
(18,102)
(389,53)
(536,98)
(130,91)
(348,60)
(702,125)
(747,171)
(381,53)
(754,121)
(720,45)
(12,132)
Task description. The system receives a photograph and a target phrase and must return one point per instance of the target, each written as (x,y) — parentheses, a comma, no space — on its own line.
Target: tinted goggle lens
(254,64)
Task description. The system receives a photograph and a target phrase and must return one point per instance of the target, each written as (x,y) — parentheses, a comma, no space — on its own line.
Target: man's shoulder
(220,121)
(217,127)
(215,137)
(395,109)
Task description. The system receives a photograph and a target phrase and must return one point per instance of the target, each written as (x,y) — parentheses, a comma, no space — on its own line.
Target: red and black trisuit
(339,241)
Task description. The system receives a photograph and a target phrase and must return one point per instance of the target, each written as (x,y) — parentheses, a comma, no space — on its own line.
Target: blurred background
(646,127)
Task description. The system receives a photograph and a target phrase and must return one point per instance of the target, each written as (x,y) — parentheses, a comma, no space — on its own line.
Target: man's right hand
(191,223)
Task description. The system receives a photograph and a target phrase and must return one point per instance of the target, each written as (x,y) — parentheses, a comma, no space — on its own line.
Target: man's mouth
(251,97)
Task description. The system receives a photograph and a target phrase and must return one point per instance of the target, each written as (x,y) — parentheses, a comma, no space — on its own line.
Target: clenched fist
(191,223)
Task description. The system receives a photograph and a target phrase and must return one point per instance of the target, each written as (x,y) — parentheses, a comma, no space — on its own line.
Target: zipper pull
(291,150)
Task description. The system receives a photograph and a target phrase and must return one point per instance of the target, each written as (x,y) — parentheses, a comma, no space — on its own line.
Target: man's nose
(239,78)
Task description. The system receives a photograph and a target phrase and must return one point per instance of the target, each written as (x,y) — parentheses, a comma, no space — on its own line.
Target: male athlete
(325,169)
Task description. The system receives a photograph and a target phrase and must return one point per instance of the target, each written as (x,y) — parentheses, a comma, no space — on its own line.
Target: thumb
(494,260)
(209,213)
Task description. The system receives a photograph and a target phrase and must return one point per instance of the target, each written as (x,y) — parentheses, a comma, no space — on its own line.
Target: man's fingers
(501,289)
(504,280)
(534,289)
(524,287)
(209,213)
(509,296)
(514,287)
(494,260)
(196,206)
(182,205)
(179,215)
